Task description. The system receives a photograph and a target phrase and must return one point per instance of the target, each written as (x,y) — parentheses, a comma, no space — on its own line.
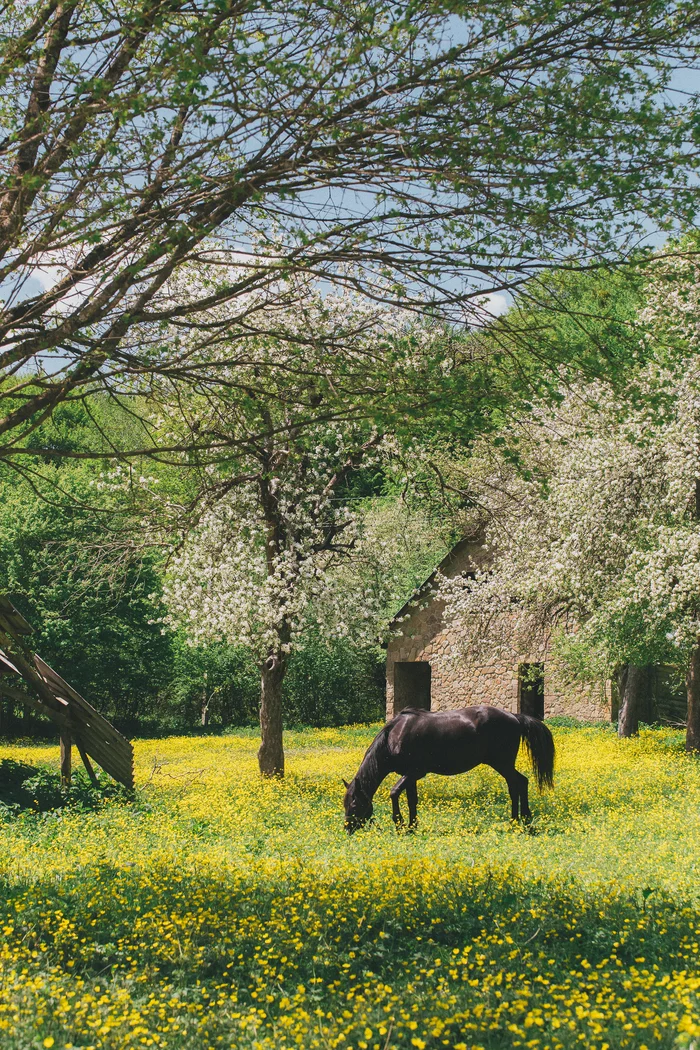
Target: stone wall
(458,683)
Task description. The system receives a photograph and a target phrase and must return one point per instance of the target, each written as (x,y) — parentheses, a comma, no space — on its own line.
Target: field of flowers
(216,910)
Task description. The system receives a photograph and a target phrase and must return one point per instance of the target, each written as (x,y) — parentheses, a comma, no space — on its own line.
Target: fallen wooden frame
(43,689)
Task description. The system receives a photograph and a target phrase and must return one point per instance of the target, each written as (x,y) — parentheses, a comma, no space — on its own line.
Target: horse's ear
(345,782)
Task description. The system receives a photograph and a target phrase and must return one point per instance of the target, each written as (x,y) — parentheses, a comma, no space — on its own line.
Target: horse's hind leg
(517,787)
(524,806)
(514,792)
(412,799)
(394,795)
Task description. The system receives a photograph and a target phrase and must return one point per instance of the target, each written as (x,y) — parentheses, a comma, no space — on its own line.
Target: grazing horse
(417,742)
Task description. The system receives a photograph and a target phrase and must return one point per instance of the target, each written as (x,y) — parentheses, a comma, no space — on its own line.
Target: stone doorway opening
(531,690)
(412,685)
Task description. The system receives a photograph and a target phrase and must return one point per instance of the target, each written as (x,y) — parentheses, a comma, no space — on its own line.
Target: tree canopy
(594,520)
(424,153)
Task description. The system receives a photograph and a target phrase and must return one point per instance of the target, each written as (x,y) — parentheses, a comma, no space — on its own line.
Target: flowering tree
(599,537)
(265,560)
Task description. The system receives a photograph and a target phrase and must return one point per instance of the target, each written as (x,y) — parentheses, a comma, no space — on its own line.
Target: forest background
(249,358)
(82,541)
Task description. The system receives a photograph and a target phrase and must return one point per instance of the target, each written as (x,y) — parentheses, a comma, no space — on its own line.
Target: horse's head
(358,807)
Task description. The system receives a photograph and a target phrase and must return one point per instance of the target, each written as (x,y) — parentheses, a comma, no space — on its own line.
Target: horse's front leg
(394,795)
(412,799)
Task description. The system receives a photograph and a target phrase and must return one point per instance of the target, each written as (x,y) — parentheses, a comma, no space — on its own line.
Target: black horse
(417,742)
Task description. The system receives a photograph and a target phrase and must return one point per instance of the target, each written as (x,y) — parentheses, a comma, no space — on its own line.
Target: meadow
(214,909)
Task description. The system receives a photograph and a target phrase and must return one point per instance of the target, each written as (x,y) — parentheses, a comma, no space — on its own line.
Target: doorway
(531,690)
(412,685)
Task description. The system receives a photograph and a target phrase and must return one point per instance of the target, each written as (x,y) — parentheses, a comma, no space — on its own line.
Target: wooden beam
(28,671)
(98,737)
(92,733)
(63,691)
(65,758)
(14,619)
(87,763)
(14,693)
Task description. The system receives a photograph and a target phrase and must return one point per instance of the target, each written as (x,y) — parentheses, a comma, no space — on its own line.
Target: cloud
(47,276)
(495,303)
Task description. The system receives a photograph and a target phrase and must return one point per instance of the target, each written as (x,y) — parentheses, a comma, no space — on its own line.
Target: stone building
(426,666)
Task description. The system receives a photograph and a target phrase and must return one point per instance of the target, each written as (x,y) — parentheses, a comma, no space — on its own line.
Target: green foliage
(91,607)
(327,684)
(69,546)
(73,564)
(564,327)
(215,685)
(72,561)
(490,142)
(333,684)
(27,789)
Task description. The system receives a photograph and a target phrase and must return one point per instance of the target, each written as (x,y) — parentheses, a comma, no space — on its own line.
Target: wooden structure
(24,676)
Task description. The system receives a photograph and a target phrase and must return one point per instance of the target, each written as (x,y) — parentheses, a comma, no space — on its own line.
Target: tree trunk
(692,733)
(271,753)
(632,683)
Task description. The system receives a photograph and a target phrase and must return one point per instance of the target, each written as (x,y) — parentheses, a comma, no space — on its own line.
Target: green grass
(215,909)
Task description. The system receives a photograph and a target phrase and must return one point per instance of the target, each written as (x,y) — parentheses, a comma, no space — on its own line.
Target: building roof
(453,555)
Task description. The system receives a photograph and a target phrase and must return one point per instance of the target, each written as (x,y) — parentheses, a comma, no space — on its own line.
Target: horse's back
(472,718)
(449,741)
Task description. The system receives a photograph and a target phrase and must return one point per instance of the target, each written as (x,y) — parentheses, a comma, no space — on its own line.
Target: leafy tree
(598,531)
(81,565)
(210,684)
(334,683)
(218,685)
(413,151)
(67,568)
(263,565)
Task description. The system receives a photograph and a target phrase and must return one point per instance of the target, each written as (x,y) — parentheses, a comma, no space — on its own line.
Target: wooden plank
(108,757)
(16,693)
(87,764)
(100,739)
(95,742)
(29,673)
(88,729)
(96,735)
(117,762)
(65,758)
(14,619)
(6,665)
(60,687)
(88,716)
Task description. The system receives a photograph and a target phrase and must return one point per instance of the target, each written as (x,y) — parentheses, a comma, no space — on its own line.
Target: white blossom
(596,543)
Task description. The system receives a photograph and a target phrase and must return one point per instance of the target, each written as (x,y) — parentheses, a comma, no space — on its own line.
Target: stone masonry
(453,682)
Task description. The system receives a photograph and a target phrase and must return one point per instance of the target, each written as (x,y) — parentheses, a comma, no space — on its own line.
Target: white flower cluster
(598,539)
(325,565)
(285,545)
(263,553)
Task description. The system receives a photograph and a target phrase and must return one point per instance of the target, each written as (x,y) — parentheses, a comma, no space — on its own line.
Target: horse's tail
(539,744)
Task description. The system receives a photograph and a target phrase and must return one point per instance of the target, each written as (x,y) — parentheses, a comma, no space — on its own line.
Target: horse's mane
(369,767)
